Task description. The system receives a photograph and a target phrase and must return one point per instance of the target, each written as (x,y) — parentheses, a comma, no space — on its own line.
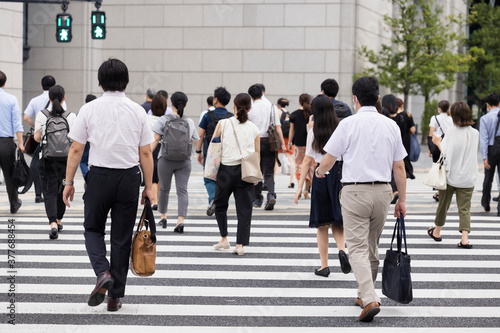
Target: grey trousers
(181,170)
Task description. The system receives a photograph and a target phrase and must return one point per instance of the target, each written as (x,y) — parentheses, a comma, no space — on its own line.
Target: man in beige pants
(371,147)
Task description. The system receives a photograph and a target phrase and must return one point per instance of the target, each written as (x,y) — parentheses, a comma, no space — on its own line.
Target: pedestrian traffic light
(63,28)
(98,20)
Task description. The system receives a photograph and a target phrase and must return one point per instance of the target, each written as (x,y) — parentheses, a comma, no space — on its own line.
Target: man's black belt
(366,183)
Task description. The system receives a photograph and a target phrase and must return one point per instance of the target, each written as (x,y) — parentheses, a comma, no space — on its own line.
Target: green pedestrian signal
(63,28)
(98,21)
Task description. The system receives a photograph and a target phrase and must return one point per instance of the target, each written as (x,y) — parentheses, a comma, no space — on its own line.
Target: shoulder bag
(436,177)
(274,137)
(432,147)
(21,174)
(214,156)
(250,164)
(29,143)
(495,150)
(396,274)
(143,254)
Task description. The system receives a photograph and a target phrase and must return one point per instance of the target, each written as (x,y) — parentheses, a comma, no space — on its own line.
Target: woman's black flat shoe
(292,185)
(325,272)
(154,207)
(53,233)
(179,229)
(436,197)
(163,223)
(344,262)
(59,227)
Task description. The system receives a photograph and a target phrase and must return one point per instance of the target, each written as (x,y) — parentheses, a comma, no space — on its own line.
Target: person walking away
(285,128)
(158,107)
(438,126)
(177,134)
(410,125)
(236,131)
(370,145)
(298,137)
(488,130)
(52,126)
(262,114)
(35,105)
(206,130)
(150,94)
(210,105)
(120,139)
(325,205)
(10,126)
(459,146)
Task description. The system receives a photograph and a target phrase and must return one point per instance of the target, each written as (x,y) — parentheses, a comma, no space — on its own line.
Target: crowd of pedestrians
(354,167)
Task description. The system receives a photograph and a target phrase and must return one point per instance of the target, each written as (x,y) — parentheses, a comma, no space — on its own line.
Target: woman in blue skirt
(325,205)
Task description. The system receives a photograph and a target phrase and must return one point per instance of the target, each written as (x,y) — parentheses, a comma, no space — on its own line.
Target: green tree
(420,58)
(484,44)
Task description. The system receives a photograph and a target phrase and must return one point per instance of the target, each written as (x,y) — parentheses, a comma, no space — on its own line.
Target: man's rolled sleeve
(78,131)
(17,125)
(147,135)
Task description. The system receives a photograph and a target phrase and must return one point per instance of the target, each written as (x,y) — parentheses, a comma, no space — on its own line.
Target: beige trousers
(364,211)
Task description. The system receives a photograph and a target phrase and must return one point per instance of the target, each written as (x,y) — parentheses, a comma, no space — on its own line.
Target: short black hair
(222,95)
(492,99)
(262,86)
(330,88)
(255,91)
(113,75)
(164,93)
(48,82)
(283,102)
(390,102)
(366,90)
(210,100)
(3,79)
(90,98)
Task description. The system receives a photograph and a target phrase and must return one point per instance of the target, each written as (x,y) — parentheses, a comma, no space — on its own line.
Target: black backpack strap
(211,115)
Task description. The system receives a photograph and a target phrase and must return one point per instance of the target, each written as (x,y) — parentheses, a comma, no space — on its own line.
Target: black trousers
(229,181)
(52,173)
(267,162)
(489,175)
(7,159)
(35,170)
(116,190)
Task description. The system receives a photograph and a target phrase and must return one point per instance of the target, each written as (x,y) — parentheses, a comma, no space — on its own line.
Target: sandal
(430,232)
(464,246)
(436,197)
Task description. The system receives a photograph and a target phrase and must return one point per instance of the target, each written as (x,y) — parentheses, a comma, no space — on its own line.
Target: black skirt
(325,204)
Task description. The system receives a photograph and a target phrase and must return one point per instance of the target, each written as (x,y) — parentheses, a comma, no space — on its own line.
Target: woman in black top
(288,168)
(298,137)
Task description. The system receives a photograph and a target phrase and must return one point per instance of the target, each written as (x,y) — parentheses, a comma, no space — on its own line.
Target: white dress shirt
(246,132)
(260,115)
(369,143)
(115,127)
(445,123)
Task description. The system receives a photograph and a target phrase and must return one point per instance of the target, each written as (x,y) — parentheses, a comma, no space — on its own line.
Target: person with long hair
(285,127)
(168,168)
(459,146)
(158,107)
(53,170)
(298,137)
(229,176)
(325,206)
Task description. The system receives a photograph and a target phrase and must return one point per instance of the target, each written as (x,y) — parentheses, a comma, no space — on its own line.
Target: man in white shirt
(211,107)
(262,114)
(371,147)
(36,105)
(120,138)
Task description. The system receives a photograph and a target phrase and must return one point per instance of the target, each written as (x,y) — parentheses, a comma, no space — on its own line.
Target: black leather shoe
(155,207)
(15,209)
(53,233)
(344,262)
(38,199)
(495,199)
(163,223)
(179,229)
(104,282)
(271,201)
(325,272)
(114,303)
(486,207)
(59,227)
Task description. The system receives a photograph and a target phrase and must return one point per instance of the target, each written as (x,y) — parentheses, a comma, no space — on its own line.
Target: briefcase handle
(400,231)
(148,220)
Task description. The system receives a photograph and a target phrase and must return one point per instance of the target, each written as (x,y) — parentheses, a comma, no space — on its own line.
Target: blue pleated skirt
(325,204)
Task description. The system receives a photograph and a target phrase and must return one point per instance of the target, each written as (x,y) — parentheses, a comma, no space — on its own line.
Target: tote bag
(414,148)
(250,164)
(214,157)
(437,175)
(396,274)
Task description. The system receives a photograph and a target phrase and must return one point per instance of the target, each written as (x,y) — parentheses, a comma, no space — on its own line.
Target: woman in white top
(229,175)
(325,205)
(158,107)
(459,146)
(53,170)
(169,167)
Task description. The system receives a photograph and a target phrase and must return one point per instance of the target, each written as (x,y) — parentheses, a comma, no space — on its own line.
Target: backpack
(285,123)
(55,142)
(214,120)
(342,110)
(176,142)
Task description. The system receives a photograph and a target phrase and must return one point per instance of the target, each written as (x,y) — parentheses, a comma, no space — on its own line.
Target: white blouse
(246,132)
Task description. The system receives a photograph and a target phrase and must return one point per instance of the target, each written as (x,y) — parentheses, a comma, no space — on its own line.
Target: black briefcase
(396,274)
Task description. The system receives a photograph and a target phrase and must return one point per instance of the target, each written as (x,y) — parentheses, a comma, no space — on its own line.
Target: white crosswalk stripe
(270,289)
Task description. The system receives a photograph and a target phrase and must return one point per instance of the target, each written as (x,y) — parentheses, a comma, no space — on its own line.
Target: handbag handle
(400,231)
(148,220)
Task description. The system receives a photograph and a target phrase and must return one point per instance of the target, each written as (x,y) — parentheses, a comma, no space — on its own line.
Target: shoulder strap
(236,137)
(211,115)
(271,116)
(46,113)
(66,113)
(439,124)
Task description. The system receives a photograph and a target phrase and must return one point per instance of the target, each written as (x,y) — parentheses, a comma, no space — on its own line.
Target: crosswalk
(271,288)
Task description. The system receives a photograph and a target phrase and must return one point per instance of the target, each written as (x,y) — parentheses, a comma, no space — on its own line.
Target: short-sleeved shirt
(116,127)
(41,120)
(246,132)
(369,143)
(39,103)
(299,128)
(10,115)
(317,156)
(205,120)
(260,115)
(445,123)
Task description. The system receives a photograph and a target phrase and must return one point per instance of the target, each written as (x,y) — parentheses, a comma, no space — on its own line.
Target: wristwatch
(198,152)
(64,182)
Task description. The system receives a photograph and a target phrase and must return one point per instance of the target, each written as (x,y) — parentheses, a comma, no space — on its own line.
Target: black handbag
(396,279)
(21,175)
(30,143)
